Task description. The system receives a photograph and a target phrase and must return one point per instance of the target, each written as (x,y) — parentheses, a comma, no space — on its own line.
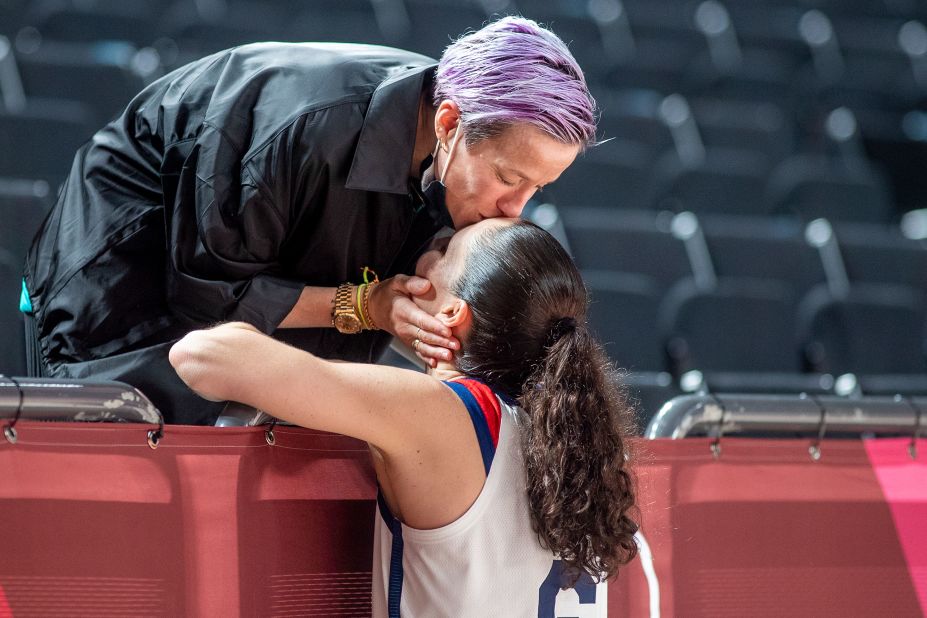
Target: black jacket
(221,191)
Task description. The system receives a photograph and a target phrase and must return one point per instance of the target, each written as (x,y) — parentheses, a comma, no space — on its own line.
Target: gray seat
(740,325)
(875,329)
(623,315)
(639,242)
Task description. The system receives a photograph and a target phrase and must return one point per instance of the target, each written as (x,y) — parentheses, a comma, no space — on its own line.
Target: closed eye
(507,183)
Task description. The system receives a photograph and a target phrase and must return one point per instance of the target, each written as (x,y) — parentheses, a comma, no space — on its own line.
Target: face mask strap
(450,152)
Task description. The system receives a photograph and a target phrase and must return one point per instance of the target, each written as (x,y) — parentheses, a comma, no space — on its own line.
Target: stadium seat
(612,175)
(434,26)
(623,315)
(657,64)
(23,206)
(739,325)
(633,115)
(104,85)
(880,254)
(41,143)
(760,126)
(352,25)
(625,241)
(131,23)
(762,248)
(874,329)
(813,186)
(726,181)
(761,76)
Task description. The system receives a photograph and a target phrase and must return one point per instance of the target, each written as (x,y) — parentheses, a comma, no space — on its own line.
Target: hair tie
(560,327)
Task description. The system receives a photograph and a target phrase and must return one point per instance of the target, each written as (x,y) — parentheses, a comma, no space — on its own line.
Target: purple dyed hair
(514,71)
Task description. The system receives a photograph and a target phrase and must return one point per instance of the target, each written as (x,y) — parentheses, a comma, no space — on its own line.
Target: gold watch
(344,311)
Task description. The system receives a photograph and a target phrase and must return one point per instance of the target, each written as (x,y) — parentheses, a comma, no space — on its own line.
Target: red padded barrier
(215,522)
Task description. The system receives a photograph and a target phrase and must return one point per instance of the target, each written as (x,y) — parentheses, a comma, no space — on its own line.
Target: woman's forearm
(312,310)
(235,362)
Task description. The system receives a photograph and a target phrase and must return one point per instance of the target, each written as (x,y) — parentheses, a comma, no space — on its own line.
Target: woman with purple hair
(292,187)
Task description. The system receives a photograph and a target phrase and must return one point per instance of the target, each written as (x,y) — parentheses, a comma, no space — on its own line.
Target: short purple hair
(514,71)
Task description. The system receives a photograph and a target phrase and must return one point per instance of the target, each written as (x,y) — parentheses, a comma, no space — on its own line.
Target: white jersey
(489,561)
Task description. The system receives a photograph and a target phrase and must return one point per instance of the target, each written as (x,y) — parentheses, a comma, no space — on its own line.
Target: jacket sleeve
(226,228)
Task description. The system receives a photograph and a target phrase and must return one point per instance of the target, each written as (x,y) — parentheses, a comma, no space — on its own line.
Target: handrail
(735,413)
(50,399)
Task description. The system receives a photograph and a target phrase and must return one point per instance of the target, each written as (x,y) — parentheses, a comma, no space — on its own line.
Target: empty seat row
(736,295)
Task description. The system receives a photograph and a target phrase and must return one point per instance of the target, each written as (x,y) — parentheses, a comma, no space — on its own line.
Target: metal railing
(717,414)
(49,399)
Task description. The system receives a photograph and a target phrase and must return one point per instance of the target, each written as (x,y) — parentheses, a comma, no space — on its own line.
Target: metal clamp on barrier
(9,430)
(49,399)
(919,412)
(815,449)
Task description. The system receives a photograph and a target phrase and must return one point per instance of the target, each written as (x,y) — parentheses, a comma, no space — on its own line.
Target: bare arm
(394,409)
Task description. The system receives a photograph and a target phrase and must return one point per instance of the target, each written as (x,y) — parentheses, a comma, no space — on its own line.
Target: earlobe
(455,314)
(446,120)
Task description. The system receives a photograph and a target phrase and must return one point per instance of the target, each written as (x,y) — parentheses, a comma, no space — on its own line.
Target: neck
(445,371)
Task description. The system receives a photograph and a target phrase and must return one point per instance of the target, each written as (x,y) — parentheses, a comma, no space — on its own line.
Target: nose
(512,204)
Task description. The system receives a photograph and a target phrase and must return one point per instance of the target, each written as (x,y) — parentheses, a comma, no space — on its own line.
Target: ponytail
(579,488)
(520,283)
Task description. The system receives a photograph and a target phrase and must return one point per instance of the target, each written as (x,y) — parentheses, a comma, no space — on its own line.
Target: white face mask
(433,189)
(428,175)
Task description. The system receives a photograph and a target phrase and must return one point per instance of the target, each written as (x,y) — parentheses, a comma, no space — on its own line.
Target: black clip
(9,430)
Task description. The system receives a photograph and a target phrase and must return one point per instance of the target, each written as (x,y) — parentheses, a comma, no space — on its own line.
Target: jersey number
(585,589)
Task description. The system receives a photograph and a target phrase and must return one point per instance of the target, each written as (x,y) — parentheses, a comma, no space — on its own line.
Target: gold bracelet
(359,307)
(365,306)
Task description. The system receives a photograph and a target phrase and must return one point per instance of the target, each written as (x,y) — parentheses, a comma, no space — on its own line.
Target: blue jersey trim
(487,451)
(394,584)
(478,418)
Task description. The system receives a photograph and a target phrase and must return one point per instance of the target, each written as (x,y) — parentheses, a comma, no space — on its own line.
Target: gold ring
(415,344)
(418,333)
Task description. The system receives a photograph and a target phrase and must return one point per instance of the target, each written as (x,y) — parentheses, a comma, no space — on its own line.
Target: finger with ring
(415,344)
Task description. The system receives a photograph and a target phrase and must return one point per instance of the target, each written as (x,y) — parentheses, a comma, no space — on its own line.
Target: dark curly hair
(530,340)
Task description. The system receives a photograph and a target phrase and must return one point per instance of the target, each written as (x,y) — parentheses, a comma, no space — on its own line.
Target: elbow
(190,359)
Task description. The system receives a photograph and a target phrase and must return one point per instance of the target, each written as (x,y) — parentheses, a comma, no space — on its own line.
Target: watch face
(347,323)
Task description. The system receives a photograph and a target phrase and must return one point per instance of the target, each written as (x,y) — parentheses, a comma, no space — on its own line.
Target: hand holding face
(392,309)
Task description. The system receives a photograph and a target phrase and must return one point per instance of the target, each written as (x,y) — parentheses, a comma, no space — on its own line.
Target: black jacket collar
(389,126)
